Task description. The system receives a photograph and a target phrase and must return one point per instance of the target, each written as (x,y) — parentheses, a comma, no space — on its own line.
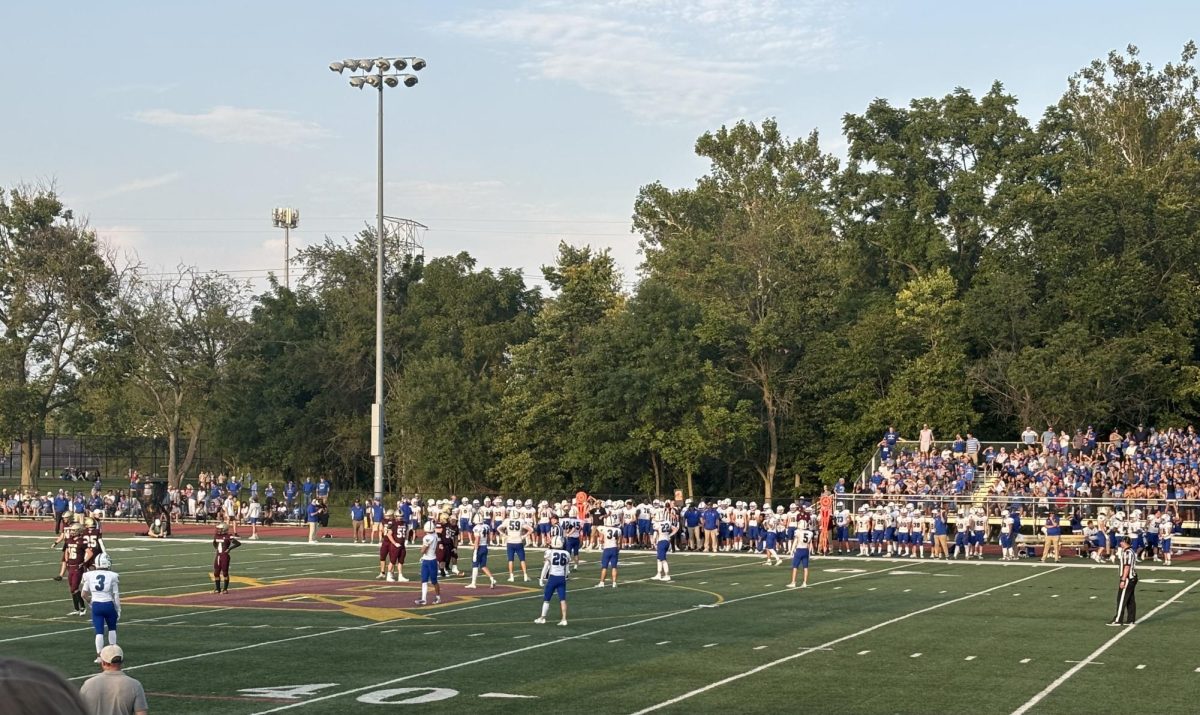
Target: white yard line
(1124,631)
(123,623)
(536,646)
(833,642)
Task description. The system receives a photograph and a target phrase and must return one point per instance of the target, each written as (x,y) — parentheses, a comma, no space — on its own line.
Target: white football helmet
(103,562)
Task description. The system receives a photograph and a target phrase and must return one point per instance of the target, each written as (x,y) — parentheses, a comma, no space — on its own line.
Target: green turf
(844,645)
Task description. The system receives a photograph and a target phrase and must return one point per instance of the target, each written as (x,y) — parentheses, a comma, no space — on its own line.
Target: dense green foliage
(964,266)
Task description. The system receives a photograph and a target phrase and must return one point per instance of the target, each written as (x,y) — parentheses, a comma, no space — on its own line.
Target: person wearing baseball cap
(112,692)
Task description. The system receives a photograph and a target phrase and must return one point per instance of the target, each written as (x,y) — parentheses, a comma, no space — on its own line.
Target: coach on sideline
(112,692)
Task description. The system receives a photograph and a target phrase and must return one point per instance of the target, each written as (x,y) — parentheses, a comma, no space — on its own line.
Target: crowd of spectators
(1141,468)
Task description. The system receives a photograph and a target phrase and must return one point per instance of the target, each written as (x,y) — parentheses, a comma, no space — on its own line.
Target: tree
(751,247)
(55,295)
(182,331)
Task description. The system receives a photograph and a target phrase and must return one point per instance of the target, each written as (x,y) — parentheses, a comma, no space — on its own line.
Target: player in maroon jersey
(447,531)
(92,539)
(393,550)
(75,553)
(223,542)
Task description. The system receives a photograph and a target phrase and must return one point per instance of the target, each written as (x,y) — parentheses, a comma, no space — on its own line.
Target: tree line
(962,266)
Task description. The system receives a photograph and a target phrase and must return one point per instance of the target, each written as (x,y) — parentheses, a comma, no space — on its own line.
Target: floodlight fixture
(418,64)
(337,67)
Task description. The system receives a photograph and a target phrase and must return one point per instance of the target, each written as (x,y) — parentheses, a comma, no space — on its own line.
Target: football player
(100,586)
(770,528)
(556,566)
(223,542)
(479,559)
(1007,537)
(515,532)
(74,556)
(393,550)
(92,541)
(429,566)
(449,536)
(610,539)
(841,523)
(961,527)
(573,535)
(979,524)
(800,552)
(862,530)
(663,531)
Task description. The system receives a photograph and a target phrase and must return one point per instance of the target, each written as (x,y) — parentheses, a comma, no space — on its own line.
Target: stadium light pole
(378,73)
(287,219)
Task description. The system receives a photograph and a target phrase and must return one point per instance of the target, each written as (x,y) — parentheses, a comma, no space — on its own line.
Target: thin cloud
(136,185)
(665,61)
(238,125)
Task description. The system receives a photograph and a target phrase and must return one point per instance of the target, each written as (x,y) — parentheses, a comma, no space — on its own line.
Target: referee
(1127,587)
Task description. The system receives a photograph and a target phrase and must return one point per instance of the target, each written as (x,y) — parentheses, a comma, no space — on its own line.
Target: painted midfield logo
(365,599)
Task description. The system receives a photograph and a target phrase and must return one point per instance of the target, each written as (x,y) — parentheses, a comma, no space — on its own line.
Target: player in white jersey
(100,586)
(555,567)
(1007,536)
(1166,527)
(515,532)
(663,531)
(610,539)
(429,566)
(800,553)
(862,530)
(841,525)
(979,524)
(962,526)
(480,556)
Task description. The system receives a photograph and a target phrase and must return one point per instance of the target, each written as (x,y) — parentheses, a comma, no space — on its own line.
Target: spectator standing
(112,692)
(972,448)
(310,490)
(323,489)
(926,443)
(1049,437)
(1029,437)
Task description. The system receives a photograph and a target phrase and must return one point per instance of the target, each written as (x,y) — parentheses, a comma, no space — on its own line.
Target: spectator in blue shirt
(314,517)
(357,513)
(309,489)
(691,520)
(289,493)
(323,488)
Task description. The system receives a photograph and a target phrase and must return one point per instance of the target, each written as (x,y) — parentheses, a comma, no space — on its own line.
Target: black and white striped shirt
(1127,563)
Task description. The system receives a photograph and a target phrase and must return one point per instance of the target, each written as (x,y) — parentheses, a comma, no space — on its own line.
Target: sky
(175,128)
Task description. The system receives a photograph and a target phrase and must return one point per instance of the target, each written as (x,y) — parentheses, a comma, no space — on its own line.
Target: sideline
(835,641)
(1096,653)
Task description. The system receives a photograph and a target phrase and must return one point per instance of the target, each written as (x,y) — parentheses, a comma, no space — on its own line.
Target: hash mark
(969,657)
(432,633)
(863,652)
(759,647)
(666,642)
(710,645)
(915,655)
(1142,666)
(616,640)
(474,635)
(1025,660)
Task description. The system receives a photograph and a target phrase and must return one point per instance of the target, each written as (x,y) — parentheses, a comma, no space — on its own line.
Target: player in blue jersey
(555,568)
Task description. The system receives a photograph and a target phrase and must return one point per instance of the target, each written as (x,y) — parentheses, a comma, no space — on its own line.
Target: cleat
(437,600)
(97,660)
(539,619)
(58,578)
(401,579)
(419,602)
(1112,623)
(791,585)
(391,578)
(599,585)
(510,578)
(380,577)
(563,623)
(526,578)
(665,578)
(470,585)
(493,584)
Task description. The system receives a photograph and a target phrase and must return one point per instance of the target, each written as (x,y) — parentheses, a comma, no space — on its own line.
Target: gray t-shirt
(113,693)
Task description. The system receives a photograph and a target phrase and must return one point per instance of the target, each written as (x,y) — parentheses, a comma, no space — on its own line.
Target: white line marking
(474,635)
(872,588)
(1084,662)
(515,651)
(1142,666)
(666,642)
(616,640)
(907,590)
(214,625)
(863,652)
(1197,670)
(941,591)
(1025,660)
(432,633)
(391,631)
(262,626)
(710,645)
(969,657)
(1092,598)
(833,642)
(735,583)
(915,655)
(521,636)
(503,695)
(703,582)
(1078,666)
(1054,595)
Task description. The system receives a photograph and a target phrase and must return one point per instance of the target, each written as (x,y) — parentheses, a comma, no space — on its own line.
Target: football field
(306,628)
